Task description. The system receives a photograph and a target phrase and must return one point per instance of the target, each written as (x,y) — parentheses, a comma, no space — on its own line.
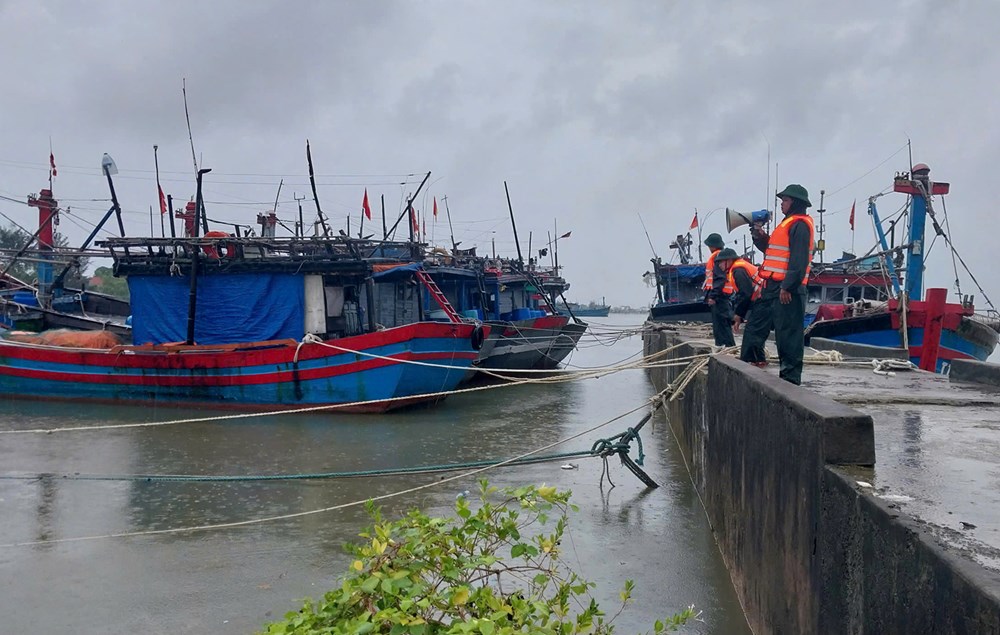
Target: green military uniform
(787,320)
(722,310)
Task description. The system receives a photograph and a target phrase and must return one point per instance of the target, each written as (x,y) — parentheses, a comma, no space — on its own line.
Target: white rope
(355,503)
(511,382)
(886,367)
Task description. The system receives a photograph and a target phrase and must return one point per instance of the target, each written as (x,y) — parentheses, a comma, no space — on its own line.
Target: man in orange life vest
(716,294)
(785,270)
(746,285)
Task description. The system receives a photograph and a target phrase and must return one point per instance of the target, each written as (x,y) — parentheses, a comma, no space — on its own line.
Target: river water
(235,580)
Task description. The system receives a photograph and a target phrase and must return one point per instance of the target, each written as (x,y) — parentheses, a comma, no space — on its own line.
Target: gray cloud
(591,112)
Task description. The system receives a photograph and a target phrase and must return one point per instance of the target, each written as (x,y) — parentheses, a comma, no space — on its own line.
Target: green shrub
(492,570)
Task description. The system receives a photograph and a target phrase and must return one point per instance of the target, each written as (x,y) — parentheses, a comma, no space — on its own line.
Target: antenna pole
(193,288)
(384,232)
(555,252)
(300,229)
(648,239)
(822,227)
(170,211)
(187,117)
(159,192)
(454,245)
(312,182)
(408,210)
(520,259)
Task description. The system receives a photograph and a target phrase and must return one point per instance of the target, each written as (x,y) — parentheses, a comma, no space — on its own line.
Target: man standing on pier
(717,293)
(746,285)
(785,271)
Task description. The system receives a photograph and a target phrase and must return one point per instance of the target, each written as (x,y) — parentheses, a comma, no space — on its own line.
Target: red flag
(365,206)
(52,164)
(566,235)
(163,201)
(852,213)
(413,221)
(694,221)
(435,207)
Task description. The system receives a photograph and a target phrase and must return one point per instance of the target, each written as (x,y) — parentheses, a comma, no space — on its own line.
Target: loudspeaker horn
(734,219)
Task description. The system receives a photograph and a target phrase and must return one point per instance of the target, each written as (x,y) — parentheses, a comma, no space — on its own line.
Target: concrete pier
(856,503)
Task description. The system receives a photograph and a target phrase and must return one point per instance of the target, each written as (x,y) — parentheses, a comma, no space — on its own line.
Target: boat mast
(451,230)
(193,289)
(312,182)
(920,188)
(520,259)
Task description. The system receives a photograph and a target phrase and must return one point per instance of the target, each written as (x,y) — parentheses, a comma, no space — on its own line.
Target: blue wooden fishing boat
(260,323)
(526,332)
(592,309)
(933,330)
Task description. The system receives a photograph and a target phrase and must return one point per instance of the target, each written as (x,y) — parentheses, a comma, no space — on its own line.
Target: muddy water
(235,580)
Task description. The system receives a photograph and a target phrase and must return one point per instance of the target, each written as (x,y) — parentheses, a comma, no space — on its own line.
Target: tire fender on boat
(478,337)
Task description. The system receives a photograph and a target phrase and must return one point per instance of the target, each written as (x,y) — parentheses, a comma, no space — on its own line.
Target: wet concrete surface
(937,446)
(235,580)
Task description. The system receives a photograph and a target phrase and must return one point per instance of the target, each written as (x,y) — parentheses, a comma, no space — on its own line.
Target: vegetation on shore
(493,569)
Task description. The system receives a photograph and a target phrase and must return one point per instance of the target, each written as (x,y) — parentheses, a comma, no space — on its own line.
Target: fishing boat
(845,281)
(526,331)
(932,330)
(47,303)
(592,309)
(252,323)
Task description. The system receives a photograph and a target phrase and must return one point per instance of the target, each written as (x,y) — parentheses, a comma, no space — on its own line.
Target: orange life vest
(775,264)
(751,270)
(709,271)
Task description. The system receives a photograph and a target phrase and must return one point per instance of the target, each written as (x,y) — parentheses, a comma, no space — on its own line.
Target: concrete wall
(975,372)
(807,552)
(883,573)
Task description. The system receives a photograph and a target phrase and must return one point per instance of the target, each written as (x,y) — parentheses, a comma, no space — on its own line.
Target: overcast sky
(592,112)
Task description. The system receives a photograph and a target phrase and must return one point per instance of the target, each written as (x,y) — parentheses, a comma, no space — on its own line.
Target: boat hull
(365,371)
(562,345)
(595,312)
(967,339)
(681,312)
(522,344)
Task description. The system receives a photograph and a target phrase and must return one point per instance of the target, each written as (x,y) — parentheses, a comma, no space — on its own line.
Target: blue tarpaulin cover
(690,272)
(401,272)
(230,309)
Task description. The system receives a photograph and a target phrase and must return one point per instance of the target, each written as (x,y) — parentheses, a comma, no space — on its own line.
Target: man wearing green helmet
(717,293)
(782,306)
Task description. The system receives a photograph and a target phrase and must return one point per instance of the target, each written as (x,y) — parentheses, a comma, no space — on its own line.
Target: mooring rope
(257,521)
(511,382)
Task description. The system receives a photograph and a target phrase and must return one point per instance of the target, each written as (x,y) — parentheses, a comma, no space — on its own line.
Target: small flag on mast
(163,201)
(566,235)
(364,205)
(52,164)
(435,208)
(852,213)
(694,221)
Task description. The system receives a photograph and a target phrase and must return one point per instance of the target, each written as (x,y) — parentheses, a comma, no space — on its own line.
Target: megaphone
(734,219)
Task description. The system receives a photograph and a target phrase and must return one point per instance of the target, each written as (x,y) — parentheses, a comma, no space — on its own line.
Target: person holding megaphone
(788,254)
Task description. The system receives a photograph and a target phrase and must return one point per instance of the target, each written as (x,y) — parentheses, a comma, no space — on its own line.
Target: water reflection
(186,581)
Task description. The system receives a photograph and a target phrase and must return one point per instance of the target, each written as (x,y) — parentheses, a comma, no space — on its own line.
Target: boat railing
(236,254)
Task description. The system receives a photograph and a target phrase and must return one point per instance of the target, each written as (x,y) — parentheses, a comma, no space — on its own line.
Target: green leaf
(369,585)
